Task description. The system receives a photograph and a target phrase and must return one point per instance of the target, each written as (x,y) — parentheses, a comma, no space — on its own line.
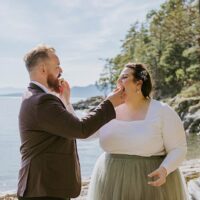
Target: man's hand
(117,97)
(161,173)
(64,91)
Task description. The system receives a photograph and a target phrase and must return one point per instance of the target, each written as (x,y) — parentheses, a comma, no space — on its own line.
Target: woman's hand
(161,173)
(64,91)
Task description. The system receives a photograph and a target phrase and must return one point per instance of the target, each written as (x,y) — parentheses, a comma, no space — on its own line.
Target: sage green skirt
(125,177)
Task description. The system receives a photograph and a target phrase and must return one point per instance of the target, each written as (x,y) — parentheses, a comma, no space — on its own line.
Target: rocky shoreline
(189,168)
(189,111)
(88,103)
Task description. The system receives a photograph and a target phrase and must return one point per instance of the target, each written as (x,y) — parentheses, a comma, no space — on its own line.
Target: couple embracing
(143,139)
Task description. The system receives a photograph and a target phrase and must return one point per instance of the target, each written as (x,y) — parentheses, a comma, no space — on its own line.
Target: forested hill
(168,42)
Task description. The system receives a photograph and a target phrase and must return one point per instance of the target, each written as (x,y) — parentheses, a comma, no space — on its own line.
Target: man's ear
(42,67)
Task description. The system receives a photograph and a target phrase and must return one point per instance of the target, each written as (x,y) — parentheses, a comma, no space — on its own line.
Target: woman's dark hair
(140,73)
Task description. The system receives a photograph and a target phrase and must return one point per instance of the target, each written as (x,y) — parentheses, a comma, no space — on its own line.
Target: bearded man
(50,166)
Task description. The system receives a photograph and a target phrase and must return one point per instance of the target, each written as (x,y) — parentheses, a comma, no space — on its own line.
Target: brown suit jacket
(50,164)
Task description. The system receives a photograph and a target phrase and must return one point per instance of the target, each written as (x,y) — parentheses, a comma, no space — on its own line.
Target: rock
(191,172)
(190,169)
(194,189)
(195,126)
(88,103)
(189,111)
(195,108)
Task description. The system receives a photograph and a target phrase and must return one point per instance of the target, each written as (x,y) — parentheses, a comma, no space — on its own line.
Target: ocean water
(10,143)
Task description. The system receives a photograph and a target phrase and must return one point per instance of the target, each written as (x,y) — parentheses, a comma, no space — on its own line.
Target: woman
(144,146)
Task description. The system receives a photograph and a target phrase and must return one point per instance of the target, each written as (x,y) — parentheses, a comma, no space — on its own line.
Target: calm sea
(10,143)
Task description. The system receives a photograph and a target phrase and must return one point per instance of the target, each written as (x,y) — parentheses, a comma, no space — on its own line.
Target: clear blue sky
(82,31)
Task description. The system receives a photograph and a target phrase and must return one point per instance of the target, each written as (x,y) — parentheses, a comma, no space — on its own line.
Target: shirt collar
(41,86)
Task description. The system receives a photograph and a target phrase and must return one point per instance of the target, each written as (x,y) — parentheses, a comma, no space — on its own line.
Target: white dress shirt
(41,86)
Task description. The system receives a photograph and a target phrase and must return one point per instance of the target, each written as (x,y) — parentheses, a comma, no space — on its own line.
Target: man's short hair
(39,53)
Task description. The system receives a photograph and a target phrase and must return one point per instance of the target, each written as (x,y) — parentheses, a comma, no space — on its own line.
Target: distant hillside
(78,91)
(87,91)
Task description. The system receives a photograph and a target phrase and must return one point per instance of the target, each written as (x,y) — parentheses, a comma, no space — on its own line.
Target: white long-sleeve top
(160,133)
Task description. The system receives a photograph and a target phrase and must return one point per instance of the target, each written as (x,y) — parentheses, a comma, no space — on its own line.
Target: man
(50,165)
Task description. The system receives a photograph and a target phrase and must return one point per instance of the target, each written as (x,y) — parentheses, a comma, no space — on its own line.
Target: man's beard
(53,83)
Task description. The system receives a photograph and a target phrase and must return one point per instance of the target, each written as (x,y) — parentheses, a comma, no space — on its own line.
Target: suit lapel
(36,89)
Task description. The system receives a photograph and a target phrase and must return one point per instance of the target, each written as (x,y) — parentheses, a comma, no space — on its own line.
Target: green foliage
(168,42)
(191,91)
(194,73)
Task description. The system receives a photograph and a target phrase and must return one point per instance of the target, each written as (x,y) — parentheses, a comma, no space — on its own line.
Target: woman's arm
(174,139)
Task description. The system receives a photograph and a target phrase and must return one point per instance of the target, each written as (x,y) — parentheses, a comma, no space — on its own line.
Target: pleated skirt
(125,177)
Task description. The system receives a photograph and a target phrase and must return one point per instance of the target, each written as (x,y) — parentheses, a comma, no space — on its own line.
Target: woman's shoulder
(161,104)
(165,108)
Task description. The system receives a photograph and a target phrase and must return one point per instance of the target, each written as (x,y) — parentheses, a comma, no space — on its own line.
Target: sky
(83,32)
